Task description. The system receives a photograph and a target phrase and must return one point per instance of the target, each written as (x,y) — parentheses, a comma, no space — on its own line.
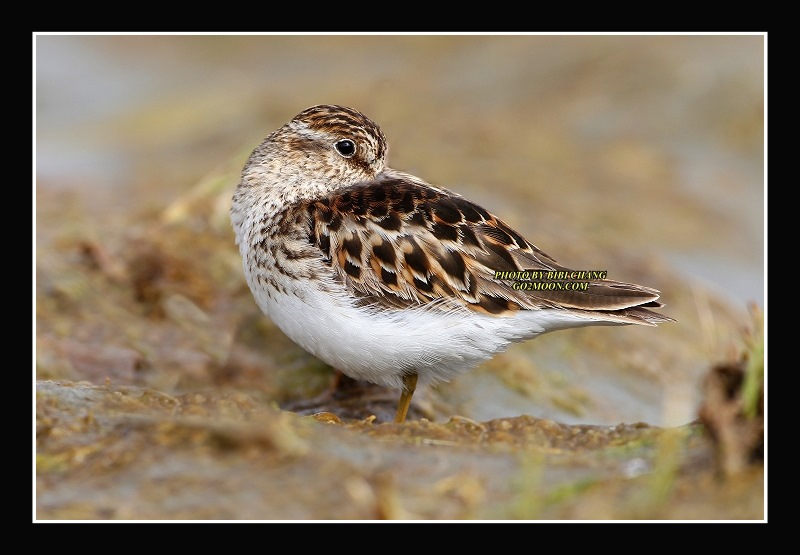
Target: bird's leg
(409,385)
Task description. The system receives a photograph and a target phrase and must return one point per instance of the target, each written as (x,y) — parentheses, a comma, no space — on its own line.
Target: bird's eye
(345,147)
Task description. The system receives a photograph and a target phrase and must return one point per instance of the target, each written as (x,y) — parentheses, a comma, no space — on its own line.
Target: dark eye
(345,147)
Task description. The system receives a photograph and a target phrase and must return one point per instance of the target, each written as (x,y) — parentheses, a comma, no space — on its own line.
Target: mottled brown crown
(344,122)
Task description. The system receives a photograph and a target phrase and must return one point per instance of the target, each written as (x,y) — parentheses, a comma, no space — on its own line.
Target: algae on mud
(145,455)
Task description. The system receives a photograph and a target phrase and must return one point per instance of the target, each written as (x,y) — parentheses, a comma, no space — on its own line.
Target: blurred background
(640,155)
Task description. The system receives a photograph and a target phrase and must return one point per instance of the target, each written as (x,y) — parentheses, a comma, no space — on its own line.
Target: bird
(390,279)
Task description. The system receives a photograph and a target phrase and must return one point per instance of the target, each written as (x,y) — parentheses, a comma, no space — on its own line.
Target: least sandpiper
(390,279)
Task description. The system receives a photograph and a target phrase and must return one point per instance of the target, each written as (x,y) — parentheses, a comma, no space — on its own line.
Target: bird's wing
(399,242)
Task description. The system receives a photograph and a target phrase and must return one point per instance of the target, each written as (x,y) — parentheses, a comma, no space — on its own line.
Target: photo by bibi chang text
(547,280)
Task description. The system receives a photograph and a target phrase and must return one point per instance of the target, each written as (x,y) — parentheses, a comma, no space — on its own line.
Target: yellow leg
(409,385)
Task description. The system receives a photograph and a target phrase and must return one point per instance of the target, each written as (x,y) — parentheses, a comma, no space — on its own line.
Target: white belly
(380,345)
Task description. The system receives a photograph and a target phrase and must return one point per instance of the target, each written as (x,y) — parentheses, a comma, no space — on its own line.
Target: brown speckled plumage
(324,225)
